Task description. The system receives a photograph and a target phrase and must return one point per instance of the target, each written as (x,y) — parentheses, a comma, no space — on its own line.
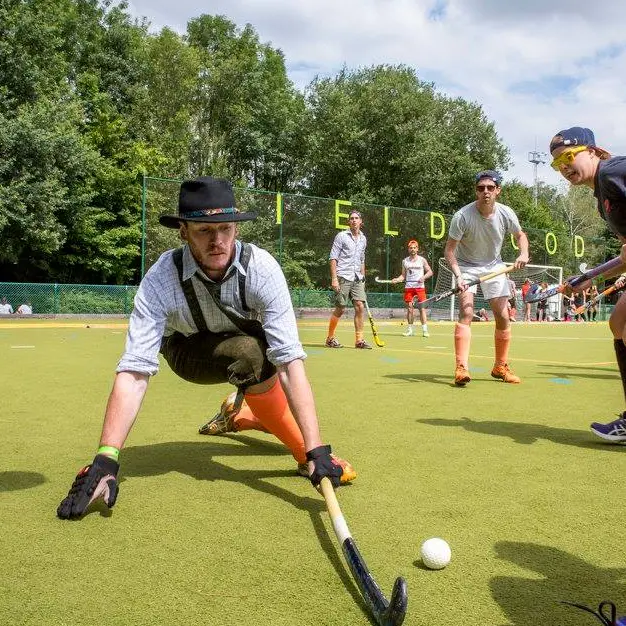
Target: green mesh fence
(299,231)
(58,299)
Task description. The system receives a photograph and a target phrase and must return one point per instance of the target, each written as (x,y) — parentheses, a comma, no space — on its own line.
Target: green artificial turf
(217,531)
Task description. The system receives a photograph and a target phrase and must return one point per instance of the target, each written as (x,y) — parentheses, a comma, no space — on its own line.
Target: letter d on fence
(579,250)
(442,225)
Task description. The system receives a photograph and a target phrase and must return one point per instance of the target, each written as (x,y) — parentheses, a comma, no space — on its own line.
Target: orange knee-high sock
(462,340)
(332,325)
(272,410)
(247,420)
(502,340)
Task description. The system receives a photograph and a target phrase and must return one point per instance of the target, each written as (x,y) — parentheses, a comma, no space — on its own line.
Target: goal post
(446,309)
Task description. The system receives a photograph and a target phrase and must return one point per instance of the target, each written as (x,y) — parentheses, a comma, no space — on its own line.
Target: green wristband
(109,451)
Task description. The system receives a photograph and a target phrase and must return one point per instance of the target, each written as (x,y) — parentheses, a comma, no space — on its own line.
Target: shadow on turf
(195,460)
(426,378)
(610,374)
(553,575)
(528,433)
(14,481)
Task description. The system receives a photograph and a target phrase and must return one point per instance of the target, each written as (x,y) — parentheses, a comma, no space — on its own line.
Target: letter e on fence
(339,214)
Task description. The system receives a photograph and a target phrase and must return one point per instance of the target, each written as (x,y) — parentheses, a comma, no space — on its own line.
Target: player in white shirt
(5,307)
(475,239)
(415,272)
(25,309)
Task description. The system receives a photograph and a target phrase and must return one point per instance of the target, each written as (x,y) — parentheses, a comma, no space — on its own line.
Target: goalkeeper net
(446,309)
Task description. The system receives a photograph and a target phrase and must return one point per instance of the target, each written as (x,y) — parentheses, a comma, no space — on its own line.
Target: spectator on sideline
(512,301)
(473,249)
(590,295)
(347,279)
(5,307)
(481,316)
(218,310)
(581,162)
(25,309)
(527,305)
(542,305)
(415,273)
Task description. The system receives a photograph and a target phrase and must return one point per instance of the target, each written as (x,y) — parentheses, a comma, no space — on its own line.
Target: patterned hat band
(206,212)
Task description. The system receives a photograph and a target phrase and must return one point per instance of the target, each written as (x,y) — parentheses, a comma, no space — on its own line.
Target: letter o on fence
(551,244)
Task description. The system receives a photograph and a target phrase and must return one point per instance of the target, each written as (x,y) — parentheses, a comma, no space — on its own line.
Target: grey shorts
(349,290)
(207,358)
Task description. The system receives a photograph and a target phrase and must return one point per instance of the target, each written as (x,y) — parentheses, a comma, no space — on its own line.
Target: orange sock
(358,334)
(246,420)
(273,412)
(332,325)
(462,340)
(502,340)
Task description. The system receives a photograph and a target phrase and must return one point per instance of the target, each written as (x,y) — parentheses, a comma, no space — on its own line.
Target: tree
(248,116)
(380,135)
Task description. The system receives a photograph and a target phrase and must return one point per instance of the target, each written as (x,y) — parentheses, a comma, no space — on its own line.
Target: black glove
(94,481)
(325,465)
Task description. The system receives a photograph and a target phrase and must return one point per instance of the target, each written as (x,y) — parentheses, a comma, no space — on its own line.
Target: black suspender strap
(252,328)
(244,260)
(189,291)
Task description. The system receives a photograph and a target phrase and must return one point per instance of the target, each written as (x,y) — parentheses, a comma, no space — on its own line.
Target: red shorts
(414,292)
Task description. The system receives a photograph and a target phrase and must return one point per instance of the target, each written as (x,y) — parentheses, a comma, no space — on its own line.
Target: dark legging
(206,358)
(541,311)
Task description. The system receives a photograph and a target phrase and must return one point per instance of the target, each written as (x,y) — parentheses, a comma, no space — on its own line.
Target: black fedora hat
(206,199)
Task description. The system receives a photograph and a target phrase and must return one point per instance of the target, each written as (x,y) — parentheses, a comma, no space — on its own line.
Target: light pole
(536,158)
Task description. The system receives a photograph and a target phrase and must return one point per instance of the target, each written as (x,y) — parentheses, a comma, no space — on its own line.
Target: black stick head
(395,613)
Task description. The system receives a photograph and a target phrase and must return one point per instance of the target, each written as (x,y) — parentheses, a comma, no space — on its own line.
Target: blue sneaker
(613,431)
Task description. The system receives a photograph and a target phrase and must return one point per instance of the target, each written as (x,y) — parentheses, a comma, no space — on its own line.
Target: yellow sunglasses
(567,157)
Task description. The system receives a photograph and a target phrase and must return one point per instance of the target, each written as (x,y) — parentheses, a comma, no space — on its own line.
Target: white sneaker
(425,333)
(408,333)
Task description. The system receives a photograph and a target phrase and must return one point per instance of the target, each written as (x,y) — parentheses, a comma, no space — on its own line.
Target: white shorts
(497,287)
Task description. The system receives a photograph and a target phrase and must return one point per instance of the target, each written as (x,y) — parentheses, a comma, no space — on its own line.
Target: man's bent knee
(208,358)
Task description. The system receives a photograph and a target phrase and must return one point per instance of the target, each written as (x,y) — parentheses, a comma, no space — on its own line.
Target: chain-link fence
(58,299)
(298,230)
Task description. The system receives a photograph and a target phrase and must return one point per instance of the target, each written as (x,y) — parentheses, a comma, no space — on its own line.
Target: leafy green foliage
(91,102)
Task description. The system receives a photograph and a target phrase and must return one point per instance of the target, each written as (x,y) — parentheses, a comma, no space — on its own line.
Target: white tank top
(413,272)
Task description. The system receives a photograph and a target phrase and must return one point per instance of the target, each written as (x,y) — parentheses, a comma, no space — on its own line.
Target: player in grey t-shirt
(475,239)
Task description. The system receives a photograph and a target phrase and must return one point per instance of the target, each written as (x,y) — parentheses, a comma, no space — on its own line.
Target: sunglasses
(485,187)
(566,157)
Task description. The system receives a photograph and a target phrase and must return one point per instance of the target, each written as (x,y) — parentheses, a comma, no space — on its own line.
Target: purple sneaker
(613,431)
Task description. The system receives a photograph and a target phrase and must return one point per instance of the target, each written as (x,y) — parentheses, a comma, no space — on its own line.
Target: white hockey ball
(436,553)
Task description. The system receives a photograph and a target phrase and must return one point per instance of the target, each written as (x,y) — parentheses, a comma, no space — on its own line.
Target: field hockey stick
(377,340)
(585,307)
(455,290)
(383,281)
(386,612)
(595,272)
(609,619)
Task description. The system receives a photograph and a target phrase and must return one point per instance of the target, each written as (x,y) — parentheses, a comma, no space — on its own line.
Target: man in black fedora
(217,310)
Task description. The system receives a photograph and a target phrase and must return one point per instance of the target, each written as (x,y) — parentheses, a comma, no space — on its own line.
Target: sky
(535,66)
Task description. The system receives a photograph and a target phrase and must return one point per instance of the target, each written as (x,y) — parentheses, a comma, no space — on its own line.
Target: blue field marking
(477,370)
(390,359)
(314,351)
(561,381)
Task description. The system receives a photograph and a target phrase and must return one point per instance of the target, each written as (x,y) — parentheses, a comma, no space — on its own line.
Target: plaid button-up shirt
(161,309)
(349,254)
